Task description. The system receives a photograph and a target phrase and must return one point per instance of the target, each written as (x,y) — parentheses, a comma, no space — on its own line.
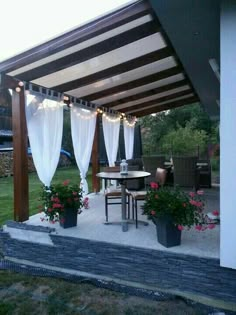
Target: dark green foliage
(185,130)
(66,138)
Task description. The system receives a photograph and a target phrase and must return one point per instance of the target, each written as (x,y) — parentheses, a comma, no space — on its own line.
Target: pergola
(143,58)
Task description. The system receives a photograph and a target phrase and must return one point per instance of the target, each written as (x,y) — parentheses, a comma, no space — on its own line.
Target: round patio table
(122,179)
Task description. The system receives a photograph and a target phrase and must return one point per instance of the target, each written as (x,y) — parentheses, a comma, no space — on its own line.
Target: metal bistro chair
(160,178)
(113,194)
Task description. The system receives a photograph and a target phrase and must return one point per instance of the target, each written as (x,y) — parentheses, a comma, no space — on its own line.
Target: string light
(130,123)
(90,114)
(117,118)
(68,101)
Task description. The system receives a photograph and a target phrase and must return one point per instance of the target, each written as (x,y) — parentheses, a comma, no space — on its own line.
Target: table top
(117,175)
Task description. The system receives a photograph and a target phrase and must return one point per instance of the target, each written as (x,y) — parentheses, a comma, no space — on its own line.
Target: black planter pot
(168,234)
(69,219)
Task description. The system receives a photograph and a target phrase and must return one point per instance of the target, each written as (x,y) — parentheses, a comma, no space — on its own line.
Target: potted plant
(172,209)
(62,202)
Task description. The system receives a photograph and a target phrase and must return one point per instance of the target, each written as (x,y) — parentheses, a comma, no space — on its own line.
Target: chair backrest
(150,164)
(111,169)
(204,164)
(185,171)
(107,182)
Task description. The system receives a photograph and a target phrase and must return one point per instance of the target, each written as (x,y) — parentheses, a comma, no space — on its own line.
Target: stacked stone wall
(6,163)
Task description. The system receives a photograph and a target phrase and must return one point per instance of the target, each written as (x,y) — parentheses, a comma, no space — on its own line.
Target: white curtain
(111,128)
(44,116)
(129,138)
(83,124)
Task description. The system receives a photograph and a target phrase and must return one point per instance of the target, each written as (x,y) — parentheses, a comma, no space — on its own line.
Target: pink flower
(74,193)
(56,200)
(154,185)
(153,212)
(193,202)
(199,203)
(66,182)
(57,205)
(180,227)
(200,192)
(211,226)
(192,194)
(216,213)
(198,227)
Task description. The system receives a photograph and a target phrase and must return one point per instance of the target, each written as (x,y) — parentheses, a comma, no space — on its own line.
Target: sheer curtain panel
(111,129)
(44,116)
(129,138)
(83,124)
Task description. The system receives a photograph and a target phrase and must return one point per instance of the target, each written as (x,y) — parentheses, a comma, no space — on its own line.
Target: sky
(25,24)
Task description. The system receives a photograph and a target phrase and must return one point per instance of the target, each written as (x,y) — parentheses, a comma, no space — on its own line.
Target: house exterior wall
(227,134)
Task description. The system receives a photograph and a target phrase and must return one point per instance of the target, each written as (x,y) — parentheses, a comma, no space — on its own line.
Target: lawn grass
(24,294)
(35,187)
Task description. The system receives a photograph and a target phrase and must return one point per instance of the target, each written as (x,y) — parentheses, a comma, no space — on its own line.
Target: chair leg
(106,208)
(136,213)
(133,207)
(128,207)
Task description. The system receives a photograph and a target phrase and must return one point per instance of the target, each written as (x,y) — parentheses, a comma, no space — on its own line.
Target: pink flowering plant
(184,209)
(59,197)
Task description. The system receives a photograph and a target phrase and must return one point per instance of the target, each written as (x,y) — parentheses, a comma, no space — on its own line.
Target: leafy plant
(57,198)
(185,141)
(184,209)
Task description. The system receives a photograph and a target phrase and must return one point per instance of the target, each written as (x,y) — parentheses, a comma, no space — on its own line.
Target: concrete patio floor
(90,226)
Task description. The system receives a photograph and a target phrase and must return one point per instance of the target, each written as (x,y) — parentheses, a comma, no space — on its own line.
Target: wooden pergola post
(20,144)
(20,156)
(95,158)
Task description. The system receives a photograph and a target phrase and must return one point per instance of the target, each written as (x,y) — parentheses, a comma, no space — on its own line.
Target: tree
(185,141)
(66,138)
(154,128)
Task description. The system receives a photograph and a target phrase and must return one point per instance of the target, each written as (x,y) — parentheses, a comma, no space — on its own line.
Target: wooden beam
(115,70)
(134,84)
(87,31)
(90,52)
(156,101)
(21,187)
(160,108)
(95,158)
(148,93)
